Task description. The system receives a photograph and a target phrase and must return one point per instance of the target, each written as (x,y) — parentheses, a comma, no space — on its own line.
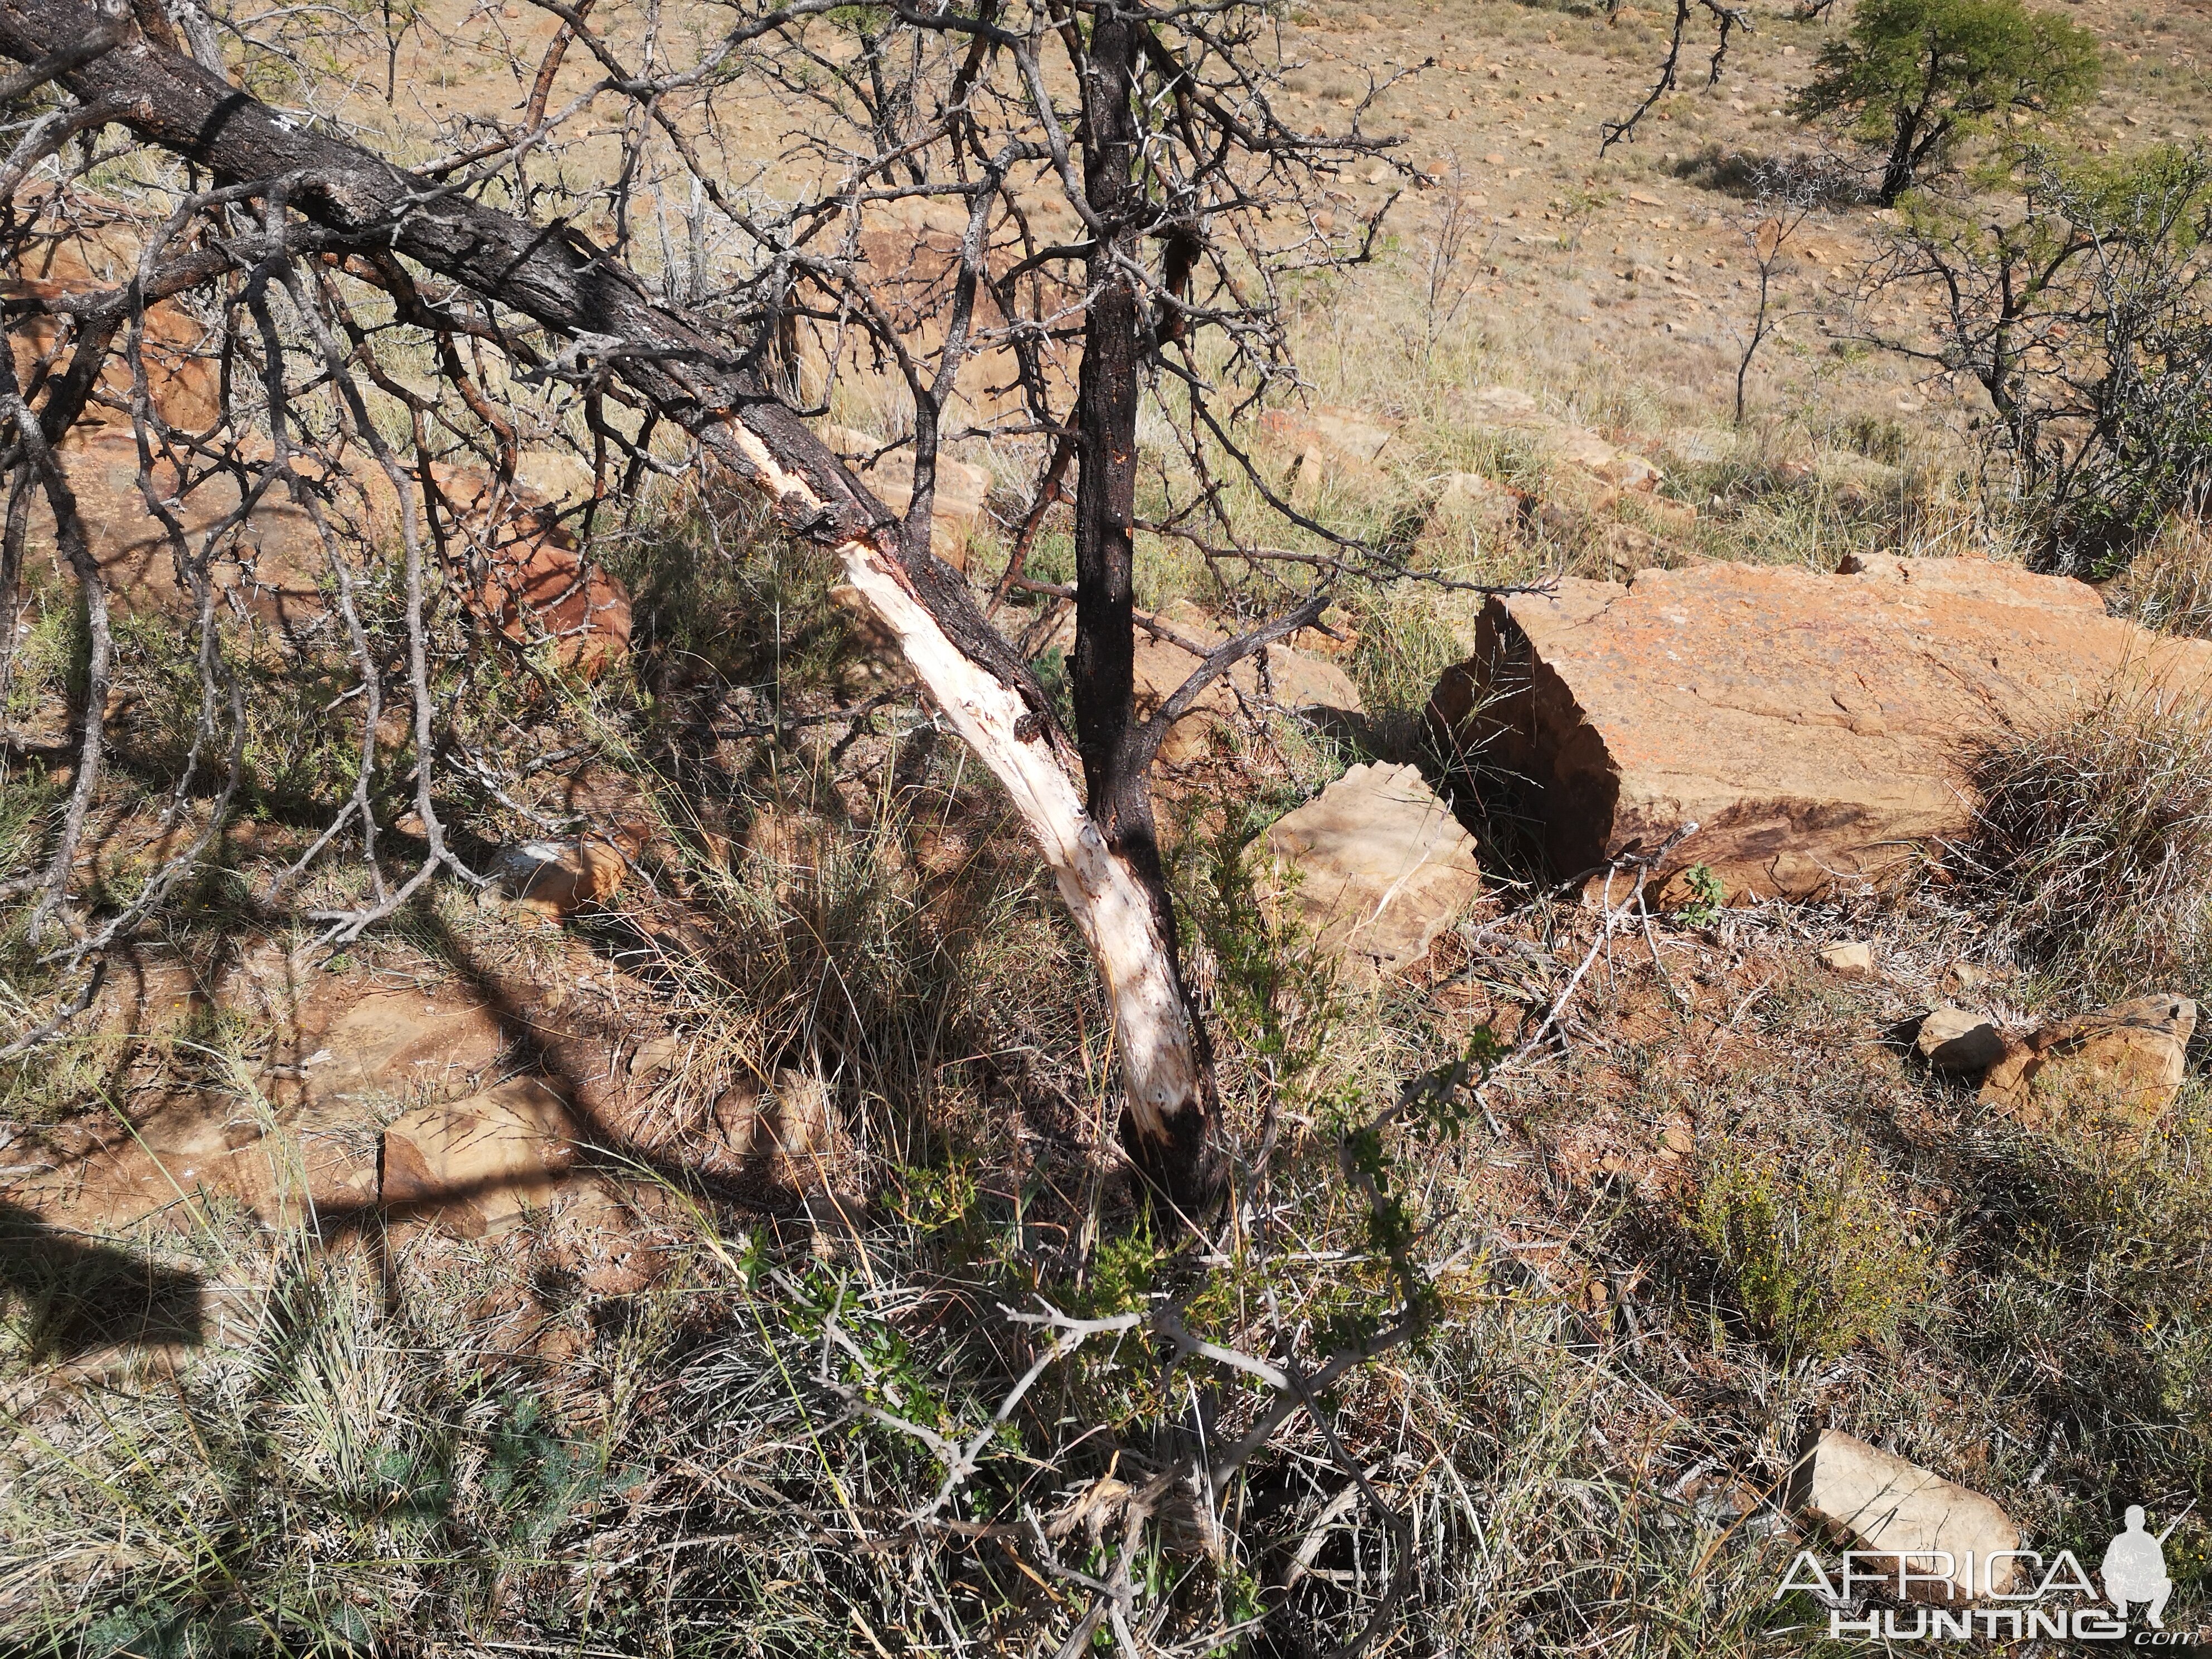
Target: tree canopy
(1919,76)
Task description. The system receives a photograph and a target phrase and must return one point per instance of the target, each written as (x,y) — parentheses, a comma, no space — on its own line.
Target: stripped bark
(362,204)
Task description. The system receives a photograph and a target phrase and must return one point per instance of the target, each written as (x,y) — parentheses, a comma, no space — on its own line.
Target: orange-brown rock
(1506,408)
(1291,680)
(1379,867)
(95,245)
(955,507)
(476,1164)
(279,558)
(1350,438)
(2127,1060)
(553,877)
(1810,725)
(534,583)
(537,584)
(183,386)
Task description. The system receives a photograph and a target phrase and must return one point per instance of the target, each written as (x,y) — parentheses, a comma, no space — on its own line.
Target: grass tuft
(2091,850)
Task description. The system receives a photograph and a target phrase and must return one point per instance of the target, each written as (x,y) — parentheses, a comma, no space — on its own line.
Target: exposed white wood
(1153,1030)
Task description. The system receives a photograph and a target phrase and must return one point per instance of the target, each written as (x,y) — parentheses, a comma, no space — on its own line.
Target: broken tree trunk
(358,202)
(1113,742)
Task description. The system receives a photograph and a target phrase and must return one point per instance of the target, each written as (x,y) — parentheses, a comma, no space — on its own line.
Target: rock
(1382,868)
(553,877)
(94,242)
(537,582)
(1469,502)
(955,508)
(1503,407)
(800,1122)
(1953,1039)
(1348,438)
(534,580)
(2128,1059)
(1971,579)
(794,1122)
(184,388)
(1628,550)
(1810,725)
(169,1163)
(658,1056)
(398,1044)
(1290,678)
(737,1117)
(281,557)
(1852,961)
(1594,455)
(476,1164)
(1895,1509)
(1965,976)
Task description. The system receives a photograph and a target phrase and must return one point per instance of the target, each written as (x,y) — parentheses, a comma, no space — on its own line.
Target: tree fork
(555,276)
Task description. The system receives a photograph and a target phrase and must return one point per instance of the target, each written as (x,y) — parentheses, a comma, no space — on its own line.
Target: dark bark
(551,274)
(362,204)
(1116,756)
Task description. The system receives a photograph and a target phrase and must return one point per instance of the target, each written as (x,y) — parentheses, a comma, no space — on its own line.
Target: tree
(1115,209)
(1779,206)
(2080,310)
(1917,77)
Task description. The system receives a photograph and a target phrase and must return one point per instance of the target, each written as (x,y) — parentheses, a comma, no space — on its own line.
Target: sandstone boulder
(537,583)
(1346,438)
(2128,1060)
(1379,867)
(1470,504)
(1892,1508)
(553,877)
(1499,408)
(196,1152)
(955,508)
(793,1123)
(182,385)
(280,559)
(1810,725)
(1953,1040)
(1852,961)
(531,581)
(1283,675)
(478,1163)
(401,1044)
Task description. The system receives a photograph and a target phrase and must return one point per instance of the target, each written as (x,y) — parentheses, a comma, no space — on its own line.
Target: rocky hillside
(603,1136)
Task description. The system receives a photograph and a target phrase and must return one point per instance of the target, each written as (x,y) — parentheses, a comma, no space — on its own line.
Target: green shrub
(1821,1256)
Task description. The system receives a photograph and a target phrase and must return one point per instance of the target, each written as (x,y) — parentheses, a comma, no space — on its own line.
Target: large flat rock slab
(1380,867)
(1811,725)
(1913,1516)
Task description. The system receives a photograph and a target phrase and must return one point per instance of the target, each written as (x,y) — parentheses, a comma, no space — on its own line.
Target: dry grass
(2168,585)
(649,1444)
(2091,850)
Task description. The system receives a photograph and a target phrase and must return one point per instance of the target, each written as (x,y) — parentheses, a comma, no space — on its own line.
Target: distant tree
(2081,304)
(1782,202)
(1919,76)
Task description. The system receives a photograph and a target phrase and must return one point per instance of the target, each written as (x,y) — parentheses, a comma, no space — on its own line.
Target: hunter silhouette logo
(2010,1595)
(2134,1569)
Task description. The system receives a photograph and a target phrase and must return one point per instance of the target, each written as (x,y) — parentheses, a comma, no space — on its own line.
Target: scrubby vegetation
(1536,1262)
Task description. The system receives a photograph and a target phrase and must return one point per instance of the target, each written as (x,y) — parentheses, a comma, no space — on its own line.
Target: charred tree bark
(358,202)
(1168,1122)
